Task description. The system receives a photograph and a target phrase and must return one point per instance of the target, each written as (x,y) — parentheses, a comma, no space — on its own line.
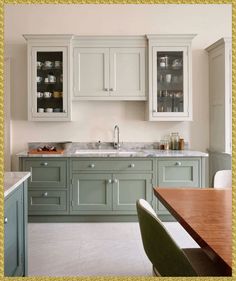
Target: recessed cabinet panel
(47,173)
(91,72)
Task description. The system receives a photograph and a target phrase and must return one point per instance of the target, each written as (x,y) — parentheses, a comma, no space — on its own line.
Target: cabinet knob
(111,89)
(178,164)
(45,194)
(110,181)
(92,165)
(5,220)
(132,165)
(115,180)
(106,89)
(44,164)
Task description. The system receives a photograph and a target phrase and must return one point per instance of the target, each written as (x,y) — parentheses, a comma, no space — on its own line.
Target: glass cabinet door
(169,85)
(49,83)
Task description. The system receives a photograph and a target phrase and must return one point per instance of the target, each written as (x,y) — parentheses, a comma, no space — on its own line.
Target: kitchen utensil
(56,94)
(177,63)
(48,64)
(56,110)
(49,110)
(39,79)
(39,95)
(168,78)
(40,110)
(47,94)
(51,78)
(164,61)
(46,80)
(39,64)
(57,64)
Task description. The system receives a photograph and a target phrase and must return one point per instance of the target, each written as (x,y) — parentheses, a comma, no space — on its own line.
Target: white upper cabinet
(109,68)
(49,84)
(220,86)
(170,77)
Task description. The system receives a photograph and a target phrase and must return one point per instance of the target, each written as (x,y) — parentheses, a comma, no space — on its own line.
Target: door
(170,83)
(13,234)
(91,72)
(91,192)
(128,188)
(49,96)
(127,72)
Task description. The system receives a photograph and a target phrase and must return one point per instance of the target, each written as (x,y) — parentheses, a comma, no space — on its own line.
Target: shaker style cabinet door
(14,234)
(170,78)
(127,72)
(49,77)
(91,72)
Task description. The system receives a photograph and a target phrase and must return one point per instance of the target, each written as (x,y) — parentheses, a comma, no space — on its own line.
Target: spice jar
(162,145)
(181,144)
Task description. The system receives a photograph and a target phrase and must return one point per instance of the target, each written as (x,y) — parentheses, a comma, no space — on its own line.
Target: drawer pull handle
(44,164)
(115,180)
(109,181)
(5,220)
(45,194)
(111,89)
(178,164)
(132,165)
(92,165)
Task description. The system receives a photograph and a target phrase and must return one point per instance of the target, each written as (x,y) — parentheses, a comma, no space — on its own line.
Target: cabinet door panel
(13,234)
(128,188)
(47,202)
(47,173)
(91,72)
(91,192)
(127,71)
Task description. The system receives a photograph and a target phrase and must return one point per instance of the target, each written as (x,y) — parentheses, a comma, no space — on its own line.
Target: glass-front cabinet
(170,96)
(49,78)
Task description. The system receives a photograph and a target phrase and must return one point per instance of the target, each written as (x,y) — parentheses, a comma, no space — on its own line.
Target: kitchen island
(89,184)
(15,223)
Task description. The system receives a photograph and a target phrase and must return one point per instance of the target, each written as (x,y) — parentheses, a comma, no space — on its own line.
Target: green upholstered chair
(165,255)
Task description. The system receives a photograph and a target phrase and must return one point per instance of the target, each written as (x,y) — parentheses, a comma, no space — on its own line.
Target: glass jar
(174,141)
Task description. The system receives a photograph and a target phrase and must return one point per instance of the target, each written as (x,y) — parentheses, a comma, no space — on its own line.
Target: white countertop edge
(12,180)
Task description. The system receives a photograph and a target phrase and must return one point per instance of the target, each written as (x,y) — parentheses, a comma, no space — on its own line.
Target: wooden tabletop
(206,214)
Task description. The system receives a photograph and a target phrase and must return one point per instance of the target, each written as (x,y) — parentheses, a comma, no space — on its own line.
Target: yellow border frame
(2,2)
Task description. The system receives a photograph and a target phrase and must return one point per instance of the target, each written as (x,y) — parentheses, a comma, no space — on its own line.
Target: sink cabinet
(170,76)
(49,77)
(15,232)
(109,68)
(110,186)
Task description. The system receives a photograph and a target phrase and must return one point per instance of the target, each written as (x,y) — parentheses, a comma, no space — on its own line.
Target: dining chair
(223,179)
(167,258)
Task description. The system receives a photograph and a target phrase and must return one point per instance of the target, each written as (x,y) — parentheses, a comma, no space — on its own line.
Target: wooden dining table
(206,214)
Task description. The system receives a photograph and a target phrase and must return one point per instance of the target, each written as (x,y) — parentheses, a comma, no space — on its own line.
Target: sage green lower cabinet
(177,172)
(15,232)
(128,188)
(91,192)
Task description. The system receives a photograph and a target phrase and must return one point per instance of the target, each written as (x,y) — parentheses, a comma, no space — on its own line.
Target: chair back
(223,179)
(165,255)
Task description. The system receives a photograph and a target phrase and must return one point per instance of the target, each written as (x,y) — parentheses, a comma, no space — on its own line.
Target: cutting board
(35,151)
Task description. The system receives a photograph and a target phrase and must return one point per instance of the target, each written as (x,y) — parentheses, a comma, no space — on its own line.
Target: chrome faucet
(116,144)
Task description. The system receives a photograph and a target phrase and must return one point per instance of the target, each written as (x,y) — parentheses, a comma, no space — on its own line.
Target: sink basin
(105,151)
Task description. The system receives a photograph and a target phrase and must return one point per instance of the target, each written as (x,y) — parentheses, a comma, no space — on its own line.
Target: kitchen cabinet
(48,185)
(111,185)
(170,78)
(177,172)
(15,232)
(109,68)
(220,105)
(49,74)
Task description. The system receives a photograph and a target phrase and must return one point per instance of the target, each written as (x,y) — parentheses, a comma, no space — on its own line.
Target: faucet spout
(116,143)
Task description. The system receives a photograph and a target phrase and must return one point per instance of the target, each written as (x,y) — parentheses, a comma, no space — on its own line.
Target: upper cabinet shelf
(109,68)
(49,77)
(170,77)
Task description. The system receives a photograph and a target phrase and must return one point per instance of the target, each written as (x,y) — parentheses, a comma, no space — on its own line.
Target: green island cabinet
(15,232)
(82,188)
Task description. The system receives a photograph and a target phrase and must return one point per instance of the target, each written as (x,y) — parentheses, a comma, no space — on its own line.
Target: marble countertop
(121,153)
(12,180)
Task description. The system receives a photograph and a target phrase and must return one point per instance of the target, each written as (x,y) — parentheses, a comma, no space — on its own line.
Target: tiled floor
(92,249)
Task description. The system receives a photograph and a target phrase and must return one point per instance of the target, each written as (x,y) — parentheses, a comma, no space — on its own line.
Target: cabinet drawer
(179,173)
(47,202)
(46,173)
(112,165)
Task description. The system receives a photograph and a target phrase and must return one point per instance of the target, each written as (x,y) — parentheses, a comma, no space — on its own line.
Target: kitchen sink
(105,151)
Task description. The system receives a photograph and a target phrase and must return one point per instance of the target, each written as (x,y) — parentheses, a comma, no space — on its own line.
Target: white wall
(93,120)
